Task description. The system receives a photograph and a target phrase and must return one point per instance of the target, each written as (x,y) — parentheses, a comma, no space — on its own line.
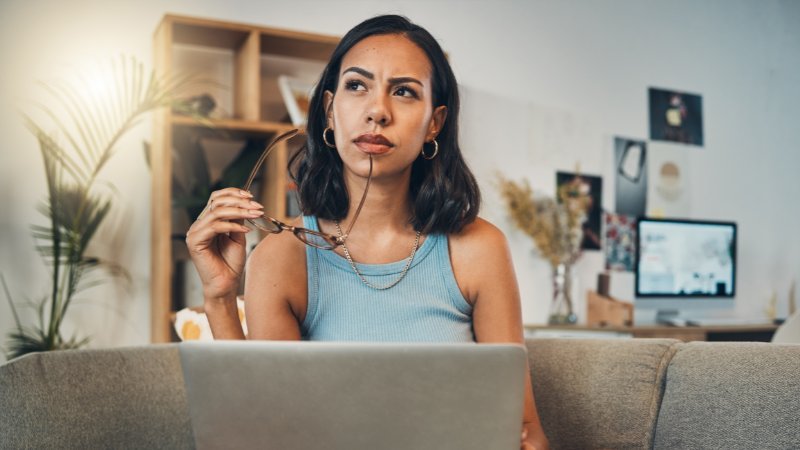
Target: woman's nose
(378,111)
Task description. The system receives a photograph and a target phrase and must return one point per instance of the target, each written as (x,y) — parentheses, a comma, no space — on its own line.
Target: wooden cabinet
(242,63)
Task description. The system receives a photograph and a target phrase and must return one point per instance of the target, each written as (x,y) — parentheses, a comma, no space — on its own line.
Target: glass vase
(561,311)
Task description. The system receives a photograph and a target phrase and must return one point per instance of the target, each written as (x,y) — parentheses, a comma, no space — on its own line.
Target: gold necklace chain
(355,269)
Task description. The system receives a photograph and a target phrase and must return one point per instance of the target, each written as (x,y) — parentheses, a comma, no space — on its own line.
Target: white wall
(587,61)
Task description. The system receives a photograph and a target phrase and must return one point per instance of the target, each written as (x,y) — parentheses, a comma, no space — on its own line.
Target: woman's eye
(354,85)
(405,91)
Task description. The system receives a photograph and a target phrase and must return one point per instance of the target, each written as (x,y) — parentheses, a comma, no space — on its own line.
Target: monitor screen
(685,258)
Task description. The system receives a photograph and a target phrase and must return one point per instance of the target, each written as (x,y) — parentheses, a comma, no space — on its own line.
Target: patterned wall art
(676,117)
(593,187)
(620,242)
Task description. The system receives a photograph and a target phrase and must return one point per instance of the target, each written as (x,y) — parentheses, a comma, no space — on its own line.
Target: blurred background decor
(556,228)
(591,190)
(296,94)
(89,116)
(620,241)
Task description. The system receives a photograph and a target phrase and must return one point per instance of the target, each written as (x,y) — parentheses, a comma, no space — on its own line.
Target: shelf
(291,44)
(228,35)
(207,32)
(243,62)
(235,125)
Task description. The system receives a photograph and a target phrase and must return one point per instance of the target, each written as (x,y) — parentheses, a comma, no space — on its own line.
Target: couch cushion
(731,395)
(115,398)
(598,393)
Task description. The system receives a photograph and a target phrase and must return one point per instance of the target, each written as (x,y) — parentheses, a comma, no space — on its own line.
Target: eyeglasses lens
(265,224)
(314,240)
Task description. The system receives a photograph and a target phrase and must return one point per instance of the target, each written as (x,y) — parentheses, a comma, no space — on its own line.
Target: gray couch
(636,393)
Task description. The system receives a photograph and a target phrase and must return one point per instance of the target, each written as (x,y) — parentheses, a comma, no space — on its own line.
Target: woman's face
(383,106)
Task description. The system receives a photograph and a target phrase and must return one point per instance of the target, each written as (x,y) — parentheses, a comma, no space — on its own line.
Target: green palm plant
(85,140)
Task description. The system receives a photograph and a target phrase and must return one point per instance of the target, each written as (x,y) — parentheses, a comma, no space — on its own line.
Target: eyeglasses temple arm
(360,204)
(284,136)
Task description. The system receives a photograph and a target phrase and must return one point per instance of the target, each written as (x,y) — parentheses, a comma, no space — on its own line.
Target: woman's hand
(216,241)
(532,442)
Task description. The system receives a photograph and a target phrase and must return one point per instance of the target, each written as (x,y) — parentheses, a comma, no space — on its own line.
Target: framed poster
(593,187)
(620,242)
(630,176)
(668,190)
(676,117)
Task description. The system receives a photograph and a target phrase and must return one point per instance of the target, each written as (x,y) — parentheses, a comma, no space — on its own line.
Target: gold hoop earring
(435,151)
(325,137)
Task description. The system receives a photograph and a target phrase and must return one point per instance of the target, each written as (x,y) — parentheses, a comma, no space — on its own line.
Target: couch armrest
(110,398)
(599,393)
(732,395)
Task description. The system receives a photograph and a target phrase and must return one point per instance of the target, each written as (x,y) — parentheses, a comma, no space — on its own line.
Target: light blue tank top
(426,306)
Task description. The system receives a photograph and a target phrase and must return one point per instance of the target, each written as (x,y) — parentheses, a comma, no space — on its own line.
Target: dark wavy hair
(444,193)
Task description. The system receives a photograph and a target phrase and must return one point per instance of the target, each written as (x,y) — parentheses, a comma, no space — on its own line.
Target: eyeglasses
(313,238)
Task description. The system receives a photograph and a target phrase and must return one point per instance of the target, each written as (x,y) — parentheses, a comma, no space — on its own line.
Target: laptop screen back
(337,396)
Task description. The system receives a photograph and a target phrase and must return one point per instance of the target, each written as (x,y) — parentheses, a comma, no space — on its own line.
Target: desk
(753,333)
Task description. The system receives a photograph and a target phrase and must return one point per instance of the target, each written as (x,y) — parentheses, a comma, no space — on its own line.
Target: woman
(416,264)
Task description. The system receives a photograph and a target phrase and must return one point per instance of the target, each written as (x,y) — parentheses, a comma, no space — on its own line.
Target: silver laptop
(351,396)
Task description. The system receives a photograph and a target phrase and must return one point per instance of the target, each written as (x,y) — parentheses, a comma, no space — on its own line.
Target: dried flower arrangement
(555,226)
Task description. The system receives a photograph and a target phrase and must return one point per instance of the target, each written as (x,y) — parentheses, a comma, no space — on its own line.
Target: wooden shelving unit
(249,57)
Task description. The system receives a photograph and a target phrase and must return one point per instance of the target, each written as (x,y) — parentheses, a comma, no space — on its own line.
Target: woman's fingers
(224,214)
(227,201)
(198,238)
(232,192)
(205,228)
(231,213)
(525,445)
(228,227)
(233,201)
(229,197)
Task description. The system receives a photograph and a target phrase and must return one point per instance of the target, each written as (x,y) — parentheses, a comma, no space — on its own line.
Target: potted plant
(88,128)
(555,225)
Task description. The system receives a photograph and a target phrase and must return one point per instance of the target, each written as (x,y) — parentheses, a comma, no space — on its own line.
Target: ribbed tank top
(426,306)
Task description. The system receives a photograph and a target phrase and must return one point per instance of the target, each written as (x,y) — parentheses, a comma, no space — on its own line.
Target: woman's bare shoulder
(479,236)
(477,253)
(276,271)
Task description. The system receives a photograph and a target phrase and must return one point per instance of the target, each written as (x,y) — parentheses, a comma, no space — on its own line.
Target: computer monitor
(684,264)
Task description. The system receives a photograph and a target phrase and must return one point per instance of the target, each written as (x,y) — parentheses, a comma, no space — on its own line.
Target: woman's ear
(328,101)
(437,122)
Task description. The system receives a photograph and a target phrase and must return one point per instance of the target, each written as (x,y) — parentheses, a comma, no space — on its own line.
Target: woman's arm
(481,258)
(223,319)
(216,244)
(275,283)
(276,288)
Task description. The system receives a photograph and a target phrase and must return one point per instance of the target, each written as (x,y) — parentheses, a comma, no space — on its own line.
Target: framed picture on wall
(630,176)
(593,187)
(669,187)
(676,117)
(620,242)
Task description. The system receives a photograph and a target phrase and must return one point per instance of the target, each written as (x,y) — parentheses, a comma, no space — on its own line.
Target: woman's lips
(373,144)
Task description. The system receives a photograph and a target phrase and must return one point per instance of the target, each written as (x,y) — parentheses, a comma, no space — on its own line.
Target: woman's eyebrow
(365,73)
(370,76)
(401,80)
